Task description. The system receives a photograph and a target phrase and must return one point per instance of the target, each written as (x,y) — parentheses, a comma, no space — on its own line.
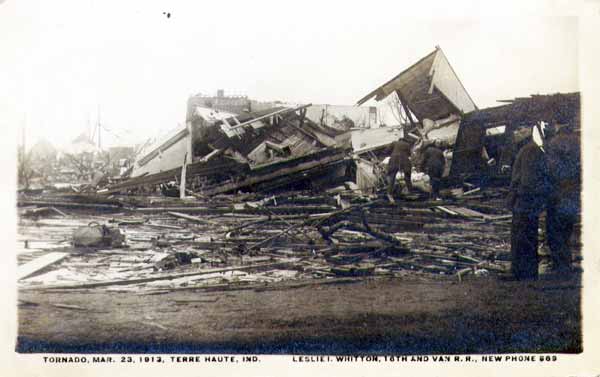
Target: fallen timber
(368,237)
(26,202)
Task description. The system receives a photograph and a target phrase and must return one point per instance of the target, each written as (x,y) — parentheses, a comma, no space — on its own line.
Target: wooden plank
(190,218)
(67,204)
(446,210)
(472,191)
(37,264)
(467,212)
(58,211)
(164,226)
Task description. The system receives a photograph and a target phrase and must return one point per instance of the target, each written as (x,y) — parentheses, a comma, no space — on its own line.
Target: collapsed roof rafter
(430,88)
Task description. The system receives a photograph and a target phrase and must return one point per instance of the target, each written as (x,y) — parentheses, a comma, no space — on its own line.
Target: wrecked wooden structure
(222,152)
(497,133)
(431,98)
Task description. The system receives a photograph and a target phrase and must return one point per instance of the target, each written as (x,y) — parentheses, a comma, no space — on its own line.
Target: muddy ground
(384,315)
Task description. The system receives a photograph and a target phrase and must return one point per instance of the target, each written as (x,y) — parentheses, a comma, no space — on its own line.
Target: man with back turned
(564,203)
(433,165)
(399,161)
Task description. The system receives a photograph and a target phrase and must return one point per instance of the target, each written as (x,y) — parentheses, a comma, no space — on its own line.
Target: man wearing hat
(529,189)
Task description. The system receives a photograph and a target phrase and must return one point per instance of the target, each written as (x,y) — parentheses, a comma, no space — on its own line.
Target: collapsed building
(433,100)
(232,143)
(292,192)
(224,152)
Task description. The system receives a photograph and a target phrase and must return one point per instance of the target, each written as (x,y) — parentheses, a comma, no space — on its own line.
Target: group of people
(546,175)
(432,162)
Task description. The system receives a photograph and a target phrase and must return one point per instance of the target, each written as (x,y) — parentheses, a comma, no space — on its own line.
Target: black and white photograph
(339,184)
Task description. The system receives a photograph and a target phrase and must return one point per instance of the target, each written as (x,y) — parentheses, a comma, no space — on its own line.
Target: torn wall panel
(164,155)
(373,138)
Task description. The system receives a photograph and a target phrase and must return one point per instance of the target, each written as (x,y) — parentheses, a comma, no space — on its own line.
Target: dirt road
(400,316)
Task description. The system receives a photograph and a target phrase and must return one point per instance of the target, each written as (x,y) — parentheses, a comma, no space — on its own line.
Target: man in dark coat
(399,161)
(564,204)
(529,189)
(433,165)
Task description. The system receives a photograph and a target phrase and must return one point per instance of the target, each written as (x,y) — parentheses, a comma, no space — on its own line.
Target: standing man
(433,165)
(564,204)
(529,189)
(399,161)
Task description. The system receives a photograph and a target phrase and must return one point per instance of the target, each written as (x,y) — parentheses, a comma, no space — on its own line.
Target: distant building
(235,104)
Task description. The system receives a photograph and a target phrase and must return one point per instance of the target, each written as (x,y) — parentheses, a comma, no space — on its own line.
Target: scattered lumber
(161,277)
(250,235)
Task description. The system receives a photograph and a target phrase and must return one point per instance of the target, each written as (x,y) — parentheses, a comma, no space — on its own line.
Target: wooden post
(405,107)
(302,117)
(182,181)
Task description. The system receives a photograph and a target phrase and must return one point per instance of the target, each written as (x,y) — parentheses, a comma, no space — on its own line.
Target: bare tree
(393,102)
(24,169)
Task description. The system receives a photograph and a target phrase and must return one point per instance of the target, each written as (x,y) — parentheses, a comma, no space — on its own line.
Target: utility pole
(99,138)
(23,136)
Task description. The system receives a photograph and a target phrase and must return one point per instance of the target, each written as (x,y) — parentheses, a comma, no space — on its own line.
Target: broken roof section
(430,88)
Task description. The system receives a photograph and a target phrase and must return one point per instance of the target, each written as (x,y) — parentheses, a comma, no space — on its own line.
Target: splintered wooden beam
(37,264)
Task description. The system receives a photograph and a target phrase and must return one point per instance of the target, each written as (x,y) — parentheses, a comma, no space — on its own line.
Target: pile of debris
(151,244)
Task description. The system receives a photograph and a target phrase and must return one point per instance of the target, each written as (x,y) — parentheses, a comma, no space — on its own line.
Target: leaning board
(35,265)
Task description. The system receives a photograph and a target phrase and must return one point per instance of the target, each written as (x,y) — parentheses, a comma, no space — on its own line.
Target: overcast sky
(61,61)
